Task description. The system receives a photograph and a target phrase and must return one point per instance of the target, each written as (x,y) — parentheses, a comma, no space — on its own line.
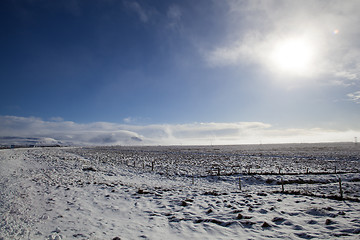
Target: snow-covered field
(181,192)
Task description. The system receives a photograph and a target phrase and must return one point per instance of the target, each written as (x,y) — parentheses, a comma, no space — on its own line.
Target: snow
(176,193)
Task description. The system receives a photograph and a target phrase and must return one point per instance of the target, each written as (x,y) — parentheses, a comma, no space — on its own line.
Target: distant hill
(11,142)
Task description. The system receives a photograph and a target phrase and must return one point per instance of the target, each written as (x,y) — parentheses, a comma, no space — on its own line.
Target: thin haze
(180,72)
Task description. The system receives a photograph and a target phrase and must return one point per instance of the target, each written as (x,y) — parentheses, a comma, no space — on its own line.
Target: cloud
(255,27)
(246,51)
(128,120)
(104,133)
(174,15)
(98,133)
(143,13)
(174,12)
(355,97)
(57,119)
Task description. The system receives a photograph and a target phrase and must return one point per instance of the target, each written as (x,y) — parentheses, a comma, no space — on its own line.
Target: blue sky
(155,69)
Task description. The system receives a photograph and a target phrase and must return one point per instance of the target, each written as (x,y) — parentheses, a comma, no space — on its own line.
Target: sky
(180,72)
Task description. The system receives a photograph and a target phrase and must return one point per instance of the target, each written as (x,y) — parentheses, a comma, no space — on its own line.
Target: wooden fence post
(341,191)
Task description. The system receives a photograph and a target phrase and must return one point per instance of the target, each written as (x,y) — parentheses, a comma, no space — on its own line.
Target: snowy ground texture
(181,192)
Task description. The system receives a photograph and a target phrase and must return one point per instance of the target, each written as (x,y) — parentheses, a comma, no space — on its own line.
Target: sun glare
(293,56)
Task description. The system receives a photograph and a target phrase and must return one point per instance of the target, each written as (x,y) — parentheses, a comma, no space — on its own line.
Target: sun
(292,56)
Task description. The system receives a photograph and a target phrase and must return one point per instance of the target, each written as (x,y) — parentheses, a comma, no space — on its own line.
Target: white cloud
(57,119)
(174,15)
(247,50)
(255,27)
(347,75)
(174,12)
(104,133)
(355,97)
(93,133)
(128,120)
(143,13)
